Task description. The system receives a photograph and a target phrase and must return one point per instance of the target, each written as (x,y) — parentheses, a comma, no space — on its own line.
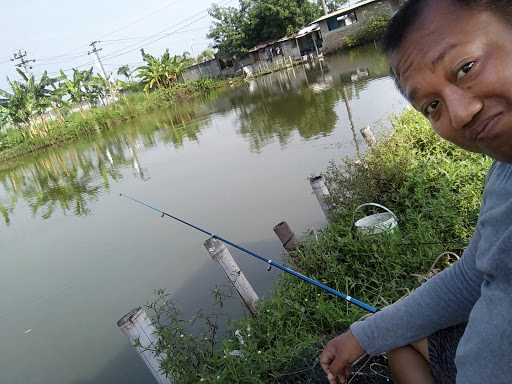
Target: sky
(57,33)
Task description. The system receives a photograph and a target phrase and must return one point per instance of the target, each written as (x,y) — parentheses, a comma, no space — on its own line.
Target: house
(209,68)
(214,68)
(337,25)
(303,43)
(309,40)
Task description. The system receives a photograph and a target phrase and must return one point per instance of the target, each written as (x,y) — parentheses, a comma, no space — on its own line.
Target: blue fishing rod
(270,262)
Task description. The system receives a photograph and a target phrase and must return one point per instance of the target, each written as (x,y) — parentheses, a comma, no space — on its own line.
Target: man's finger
(331,378)
(338,366)
(326,359)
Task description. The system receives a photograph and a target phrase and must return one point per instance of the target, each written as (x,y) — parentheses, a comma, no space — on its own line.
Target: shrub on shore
(373,30)
(433,187)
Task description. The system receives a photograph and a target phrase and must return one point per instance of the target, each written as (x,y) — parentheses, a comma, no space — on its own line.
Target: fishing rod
(270,262)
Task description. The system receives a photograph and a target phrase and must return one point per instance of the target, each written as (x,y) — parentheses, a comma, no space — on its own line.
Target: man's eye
(431,108)
(465,69)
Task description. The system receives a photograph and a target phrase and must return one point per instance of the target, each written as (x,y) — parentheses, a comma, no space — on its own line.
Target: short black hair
(410,13)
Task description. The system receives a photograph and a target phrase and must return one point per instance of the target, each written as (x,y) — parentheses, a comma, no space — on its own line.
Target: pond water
(76,257)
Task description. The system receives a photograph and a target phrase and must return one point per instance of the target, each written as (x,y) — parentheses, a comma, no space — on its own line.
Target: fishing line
(271,263)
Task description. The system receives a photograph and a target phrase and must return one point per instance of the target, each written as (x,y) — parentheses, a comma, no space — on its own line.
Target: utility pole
(20,60)
(324,6)
(95,51)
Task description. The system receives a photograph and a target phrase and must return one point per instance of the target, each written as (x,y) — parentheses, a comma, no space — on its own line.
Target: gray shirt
(477,289)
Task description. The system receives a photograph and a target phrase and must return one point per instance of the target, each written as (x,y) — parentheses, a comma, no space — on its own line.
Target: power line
(112,41)
(43,62)
(149,41)
(88,64)
(144,41)
(139,19)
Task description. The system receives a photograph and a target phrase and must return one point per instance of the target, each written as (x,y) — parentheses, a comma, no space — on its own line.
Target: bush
(435,190)
(371,31)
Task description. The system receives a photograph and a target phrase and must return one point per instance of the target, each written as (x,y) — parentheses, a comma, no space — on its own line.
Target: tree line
(32,100)
(235,30)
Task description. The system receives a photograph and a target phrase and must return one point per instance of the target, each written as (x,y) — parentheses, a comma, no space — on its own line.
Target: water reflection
(304,99)
(271,108)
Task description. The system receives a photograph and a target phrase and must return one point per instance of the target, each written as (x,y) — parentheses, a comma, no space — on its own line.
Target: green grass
(434,189)
(16,142)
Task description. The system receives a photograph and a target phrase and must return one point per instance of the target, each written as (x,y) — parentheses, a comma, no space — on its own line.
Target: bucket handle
(374,205)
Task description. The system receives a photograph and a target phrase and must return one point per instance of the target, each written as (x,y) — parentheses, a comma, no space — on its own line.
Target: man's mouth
(486,128)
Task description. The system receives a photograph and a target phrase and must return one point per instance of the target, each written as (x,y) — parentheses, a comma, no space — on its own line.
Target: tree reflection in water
(270,108)
(70,179)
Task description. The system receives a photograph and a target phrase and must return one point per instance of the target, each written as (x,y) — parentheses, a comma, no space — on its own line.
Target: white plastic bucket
(377,223)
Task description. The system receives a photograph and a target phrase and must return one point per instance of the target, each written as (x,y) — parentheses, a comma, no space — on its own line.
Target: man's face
(456,68)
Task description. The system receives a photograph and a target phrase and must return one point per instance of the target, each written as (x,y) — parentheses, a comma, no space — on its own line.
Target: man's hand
(339,355)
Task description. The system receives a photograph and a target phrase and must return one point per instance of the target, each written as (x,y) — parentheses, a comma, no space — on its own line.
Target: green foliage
(26,99)
(435,190)
(162,72)
(75,125)
(235,30)
(371,31)
(125,71)
(227,31)
(206,55)
(333,5)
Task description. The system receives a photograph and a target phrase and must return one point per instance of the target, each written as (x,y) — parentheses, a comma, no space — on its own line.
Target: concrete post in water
(322,193)
(368,136)
(139,329)
(220,253)
(286,235)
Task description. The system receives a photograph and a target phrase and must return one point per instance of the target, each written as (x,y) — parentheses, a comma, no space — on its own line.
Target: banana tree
(77,87)
(125,71)
(27,99)
(98,89)
(162,72)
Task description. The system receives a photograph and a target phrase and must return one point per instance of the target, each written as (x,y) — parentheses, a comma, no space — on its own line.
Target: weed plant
(433,188)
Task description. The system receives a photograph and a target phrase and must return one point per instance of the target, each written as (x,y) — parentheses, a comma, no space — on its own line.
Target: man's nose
(462,106)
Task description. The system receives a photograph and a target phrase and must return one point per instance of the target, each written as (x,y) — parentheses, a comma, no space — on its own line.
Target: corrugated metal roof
(306,31)
(344,10)
(303,32)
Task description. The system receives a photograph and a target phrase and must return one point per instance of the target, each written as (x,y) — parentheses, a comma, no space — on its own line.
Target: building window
(341,21)
(332,24)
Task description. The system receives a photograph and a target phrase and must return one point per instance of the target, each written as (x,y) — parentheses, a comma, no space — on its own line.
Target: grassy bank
(434,189)
(16,142)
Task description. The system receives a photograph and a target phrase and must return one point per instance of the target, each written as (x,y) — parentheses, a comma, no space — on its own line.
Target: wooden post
(368,136)
(286,235)
(139,329)
(316,46)
(220,253)
(322,193)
